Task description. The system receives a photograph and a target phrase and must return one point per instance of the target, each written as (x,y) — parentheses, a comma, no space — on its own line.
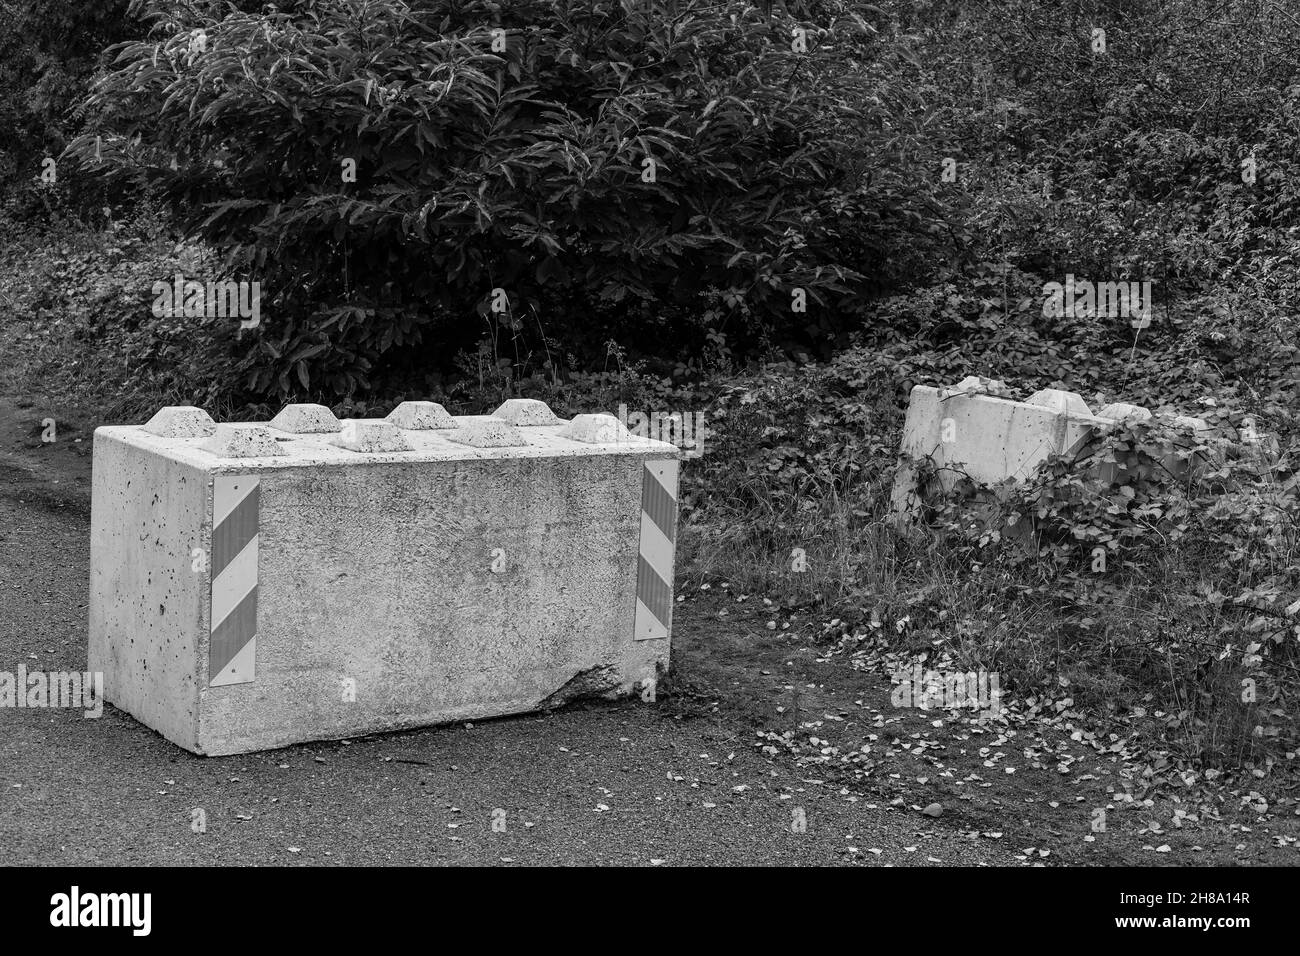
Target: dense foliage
(49,50)
(656,172)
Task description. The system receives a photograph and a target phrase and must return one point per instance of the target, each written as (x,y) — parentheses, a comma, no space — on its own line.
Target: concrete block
(421,416)
(973,430)
(527,412)
(311,591)
(986,438)
(305,420)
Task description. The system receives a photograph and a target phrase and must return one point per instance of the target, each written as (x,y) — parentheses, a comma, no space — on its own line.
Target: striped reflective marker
(654,577)
(232,648)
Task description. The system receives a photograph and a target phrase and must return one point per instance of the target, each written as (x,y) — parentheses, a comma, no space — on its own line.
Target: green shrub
(522,169)
(49,51)
(81,331)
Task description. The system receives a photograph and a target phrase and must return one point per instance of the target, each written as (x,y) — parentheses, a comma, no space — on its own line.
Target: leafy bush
(49,50)
(508,147)
(1112,138)
(81,332)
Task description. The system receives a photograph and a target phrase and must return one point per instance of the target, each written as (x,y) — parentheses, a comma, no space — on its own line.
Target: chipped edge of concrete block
(601,682)
(242,441)
(181,421)
(526,412)
(595,429)
(370,435)
(421,416)
(305,419)
(485,431)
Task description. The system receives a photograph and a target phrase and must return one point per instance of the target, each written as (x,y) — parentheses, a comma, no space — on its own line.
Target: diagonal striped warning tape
(232,648)
(654,577)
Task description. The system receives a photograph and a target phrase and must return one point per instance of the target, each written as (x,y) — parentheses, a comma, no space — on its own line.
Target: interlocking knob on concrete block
(305,420)
(242,441)
(181,421)
(485,431)
(1058,400)
(526,412)
(975,381)
(371,435)
(1123,411)
(978,385)
(421,416)
(595,429)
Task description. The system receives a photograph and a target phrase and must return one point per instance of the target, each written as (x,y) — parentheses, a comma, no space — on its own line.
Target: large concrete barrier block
(976,430)
(985,437)
(263,586)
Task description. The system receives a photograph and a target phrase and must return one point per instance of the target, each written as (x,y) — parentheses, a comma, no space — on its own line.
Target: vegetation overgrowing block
(974,430)
(985,437)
